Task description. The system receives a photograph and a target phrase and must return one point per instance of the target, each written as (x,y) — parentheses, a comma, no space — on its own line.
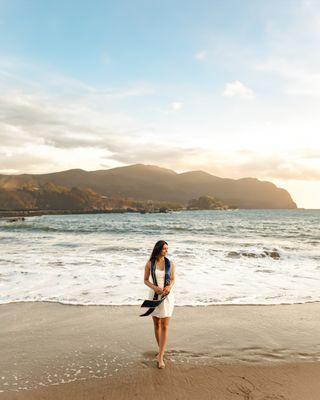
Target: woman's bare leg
(164,322)
(157,328)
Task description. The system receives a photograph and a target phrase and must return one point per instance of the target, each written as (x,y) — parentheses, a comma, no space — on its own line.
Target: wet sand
(56,351)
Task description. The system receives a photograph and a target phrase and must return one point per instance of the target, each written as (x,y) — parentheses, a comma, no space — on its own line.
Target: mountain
(150,182)
(50,196)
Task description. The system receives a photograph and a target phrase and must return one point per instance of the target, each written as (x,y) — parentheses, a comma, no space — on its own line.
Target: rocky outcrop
(206,203)
(274,253)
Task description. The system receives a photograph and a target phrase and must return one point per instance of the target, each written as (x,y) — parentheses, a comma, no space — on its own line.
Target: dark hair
(157,249)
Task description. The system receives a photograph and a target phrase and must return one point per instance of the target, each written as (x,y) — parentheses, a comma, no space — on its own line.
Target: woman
(162,313)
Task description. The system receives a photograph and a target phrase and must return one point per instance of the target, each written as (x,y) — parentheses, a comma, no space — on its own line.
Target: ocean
(221,257)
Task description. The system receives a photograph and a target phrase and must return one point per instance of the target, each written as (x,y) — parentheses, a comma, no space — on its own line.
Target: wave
(46,228)
(198,303)
(207,231)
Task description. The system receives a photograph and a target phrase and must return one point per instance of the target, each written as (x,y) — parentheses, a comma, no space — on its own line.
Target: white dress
(165,309)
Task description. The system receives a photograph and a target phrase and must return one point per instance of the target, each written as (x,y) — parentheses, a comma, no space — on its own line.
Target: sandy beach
(57,351)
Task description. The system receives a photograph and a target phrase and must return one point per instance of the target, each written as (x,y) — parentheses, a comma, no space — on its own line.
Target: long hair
(157,250)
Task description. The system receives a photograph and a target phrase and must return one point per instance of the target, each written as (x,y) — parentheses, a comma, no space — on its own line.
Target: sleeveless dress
(165,309)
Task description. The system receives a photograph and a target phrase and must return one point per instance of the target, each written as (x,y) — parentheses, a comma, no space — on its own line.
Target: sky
(228,87)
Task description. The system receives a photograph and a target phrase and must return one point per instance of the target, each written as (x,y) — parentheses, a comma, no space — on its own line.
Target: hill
(149,182)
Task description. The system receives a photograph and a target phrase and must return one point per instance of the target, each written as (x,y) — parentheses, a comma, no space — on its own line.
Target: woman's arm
(146,276)
(172,275)
(172,278)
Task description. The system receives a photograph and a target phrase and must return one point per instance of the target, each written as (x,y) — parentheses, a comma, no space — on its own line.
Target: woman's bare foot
(161,364)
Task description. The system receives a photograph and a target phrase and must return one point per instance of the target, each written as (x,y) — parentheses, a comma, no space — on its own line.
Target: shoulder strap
(153,272)
(167,278)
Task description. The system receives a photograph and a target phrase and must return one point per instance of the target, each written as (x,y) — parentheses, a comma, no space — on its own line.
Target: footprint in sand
(242,387)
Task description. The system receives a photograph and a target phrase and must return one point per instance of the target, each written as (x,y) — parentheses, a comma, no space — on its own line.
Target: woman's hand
(166,290)
(158,290)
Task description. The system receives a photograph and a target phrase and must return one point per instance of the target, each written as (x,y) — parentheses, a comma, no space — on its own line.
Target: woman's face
(164,250)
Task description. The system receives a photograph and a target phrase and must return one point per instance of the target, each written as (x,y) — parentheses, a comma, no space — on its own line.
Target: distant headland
(135,188)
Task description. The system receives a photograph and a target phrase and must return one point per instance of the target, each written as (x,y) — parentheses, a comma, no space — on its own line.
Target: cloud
(40,132)
(21,160)
(171,108)
(237,88)
(279,167)
(297,79)
(170,157)
(291,59)
(234,164)
(65,123)
(176,105)
(39,119)
(60,123)
(58,111)
(201,55)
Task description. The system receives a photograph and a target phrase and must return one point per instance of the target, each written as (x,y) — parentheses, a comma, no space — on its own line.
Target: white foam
(99,259)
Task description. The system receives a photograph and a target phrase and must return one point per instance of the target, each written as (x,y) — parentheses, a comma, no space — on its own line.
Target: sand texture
(56,351)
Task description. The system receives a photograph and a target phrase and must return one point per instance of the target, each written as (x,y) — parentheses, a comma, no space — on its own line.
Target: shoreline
(35,213)
(32,213)
(52,350)
(176,305)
